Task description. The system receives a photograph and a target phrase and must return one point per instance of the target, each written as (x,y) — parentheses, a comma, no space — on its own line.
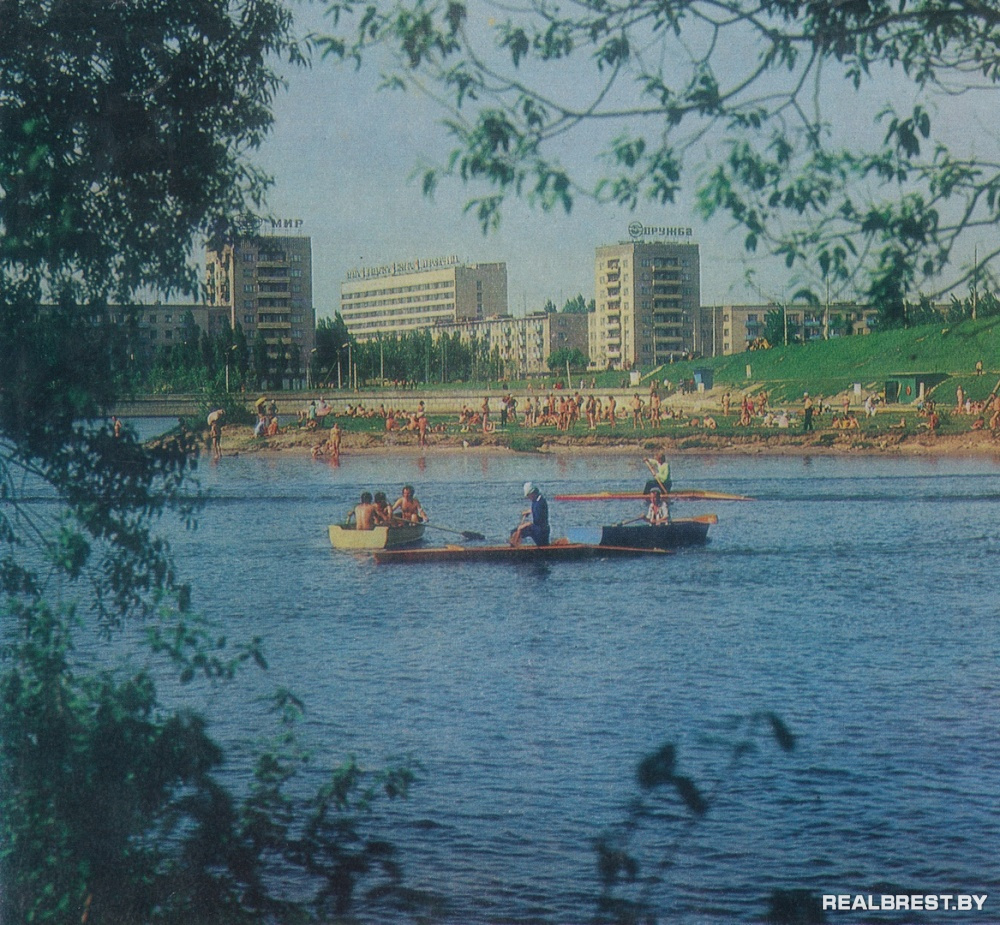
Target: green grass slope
(830,367)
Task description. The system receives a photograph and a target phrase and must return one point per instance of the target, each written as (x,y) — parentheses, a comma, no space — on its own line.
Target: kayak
(558,551)
(692,495)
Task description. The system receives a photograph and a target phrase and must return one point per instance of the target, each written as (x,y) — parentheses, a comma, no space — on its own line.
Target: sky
(345,160)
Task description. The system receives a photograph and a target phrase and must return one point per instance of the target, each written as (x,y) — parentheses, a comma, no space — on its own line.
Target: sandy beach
(903,442)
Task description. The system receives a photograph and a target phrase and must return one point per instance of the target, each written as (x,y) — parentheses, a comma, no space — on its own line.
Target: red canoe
(692,495)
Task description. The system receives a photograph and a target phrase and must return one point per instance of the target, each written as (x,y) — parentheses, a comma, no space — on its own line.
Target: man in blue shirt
(535,520)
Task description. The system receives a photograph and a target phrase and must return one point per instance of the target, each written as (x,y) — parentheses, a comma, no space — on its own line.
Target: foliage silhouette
(810,127)
(631,870)
(125,135)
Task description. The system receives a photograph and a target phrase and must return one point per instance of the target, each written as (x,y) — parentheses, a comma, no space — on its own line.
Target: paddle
(652,469)
(465,534)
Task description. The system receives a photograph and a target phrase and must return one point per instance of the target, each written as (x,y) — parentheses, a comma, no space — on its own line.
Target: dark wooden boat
(692,495)
(688,531)
(559,551)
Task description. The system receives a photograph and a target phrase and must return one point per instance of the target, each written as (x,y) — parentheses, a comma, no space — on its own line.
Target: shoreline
(236,442)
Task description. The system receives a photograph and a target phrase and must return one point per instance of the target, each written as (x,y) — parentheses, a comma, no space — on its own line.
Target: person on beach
(363,513)
(534,521)
(215,434)
(637,421)
(409,507)
(807,414)
(657,512)
(660,468)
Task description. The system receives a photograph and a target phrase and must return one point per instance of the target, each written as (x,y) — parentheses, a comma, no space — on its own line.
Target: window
(152,319)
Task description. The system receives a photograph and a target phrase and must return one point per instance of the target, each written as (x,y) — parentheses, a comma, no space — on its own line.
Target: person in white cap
(534,521)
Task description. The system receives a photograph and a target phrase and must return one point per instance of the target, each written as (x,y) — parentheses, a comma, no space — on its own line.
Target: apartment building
(415,295)
(524,344)
(648,296)
(731,329)
(264,283)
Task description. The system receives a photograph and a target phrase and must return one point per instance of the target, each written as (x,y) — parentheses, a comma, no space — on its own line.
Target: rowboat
(692,495)
(687,531)
(560,550)
(345,536)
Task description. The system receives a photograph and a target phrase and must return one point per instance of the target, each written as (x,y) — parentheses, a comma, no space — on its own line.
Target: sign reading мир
(402,266)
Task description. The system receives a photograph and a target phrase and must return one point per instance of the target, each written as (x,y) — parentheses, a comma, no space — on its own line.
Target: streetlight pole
(309,362)
(229,354)
(342,346)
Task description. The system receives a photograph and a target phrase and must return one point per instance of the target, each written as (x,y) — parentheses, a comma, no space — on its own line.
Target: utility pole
(975,278)
(826,313)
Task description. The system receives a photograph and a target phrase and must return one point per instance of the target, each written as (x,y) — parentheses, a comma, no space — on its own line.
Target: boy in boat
(383,513)
(534,521)
(657,512)
(363,513)
(409,507)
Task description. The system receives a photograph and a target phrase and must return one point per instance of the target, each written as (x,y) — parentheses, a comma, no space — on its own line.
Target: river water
(855,599)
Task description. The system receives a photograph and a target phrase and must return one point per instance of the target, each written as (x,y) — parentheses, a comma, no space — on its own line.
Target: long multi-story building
(418,294)
(728,329)
(265,283)
(647,296)
(524,344)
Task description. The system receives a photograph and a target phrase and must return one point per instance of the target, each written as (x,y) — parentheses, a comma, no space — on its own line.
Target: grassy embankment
(830,367)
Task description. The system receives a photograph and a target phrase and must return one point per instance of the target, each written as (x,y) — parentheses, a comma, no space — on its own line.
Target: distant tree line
(229,361)
(925,311)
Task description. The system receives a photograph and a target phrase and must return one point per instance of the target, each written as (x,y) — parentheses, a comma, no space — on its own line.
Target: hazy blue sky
(343,156)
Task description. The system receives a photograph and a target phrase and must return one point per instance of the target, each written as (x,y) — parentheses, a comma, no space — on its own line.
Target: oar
(465,534)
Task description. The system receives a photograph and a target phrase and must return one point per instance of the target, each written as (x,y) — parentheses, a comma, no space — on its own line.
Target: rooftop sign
(404,266)
(639,230)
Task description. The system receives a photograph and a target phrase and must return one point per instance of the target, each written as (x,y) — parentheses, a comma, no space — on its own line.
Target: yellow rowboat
(344,536)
